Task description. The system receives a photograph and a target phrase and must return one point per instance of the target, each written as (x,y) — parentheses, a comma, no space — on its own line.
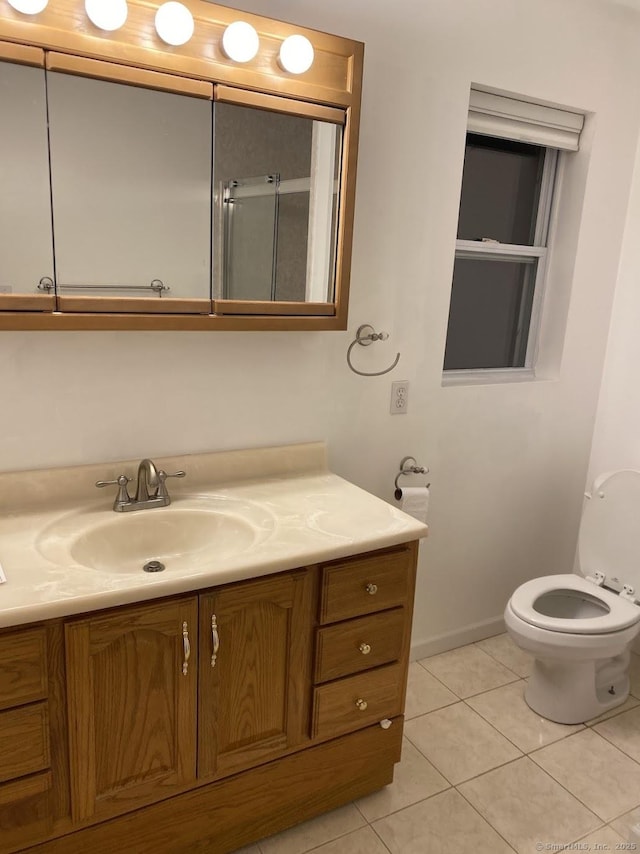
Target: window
(503,229)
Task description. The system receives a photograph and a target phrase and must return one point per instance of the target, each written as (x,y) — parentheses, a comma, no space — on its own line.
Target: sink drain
(153,566)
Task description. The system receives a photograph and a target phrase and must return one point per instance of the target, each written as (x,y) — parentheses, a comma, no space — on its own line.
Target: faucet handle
(122,481)
(162,477)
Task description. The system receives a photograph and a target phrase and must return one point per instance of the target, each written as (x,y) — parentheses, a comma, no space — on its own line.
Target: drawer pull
(371,589)
(215,640)
(365,648)
(187,648)
(361,705)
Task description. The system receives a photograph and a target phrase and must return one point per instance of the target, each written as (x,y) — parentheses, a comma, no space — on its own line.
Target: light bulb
(28,7)
(240,41)
(296,54)
(107,14)
(174,23)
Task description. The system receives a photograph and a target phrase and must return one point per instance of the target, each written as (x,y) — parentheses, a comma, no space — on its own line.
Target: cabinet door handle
(186,645)
(371,589)
(365,648)
(215,637)
(361,705)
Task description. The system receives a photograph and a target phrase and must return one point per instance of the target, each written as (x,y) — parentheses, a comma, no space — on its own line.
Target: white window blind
(509,118)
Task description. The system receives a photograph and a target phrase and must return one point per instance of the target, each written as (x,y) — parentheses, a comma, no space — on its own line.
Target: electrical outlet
(399,397)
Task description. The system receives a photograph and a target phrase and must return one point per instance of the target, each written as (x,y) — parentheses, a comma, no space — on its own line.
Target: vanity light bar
(175,25)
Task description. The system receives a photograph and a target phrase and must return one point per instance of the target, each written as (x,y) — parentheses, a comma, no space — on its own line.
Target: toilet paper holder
(408,465)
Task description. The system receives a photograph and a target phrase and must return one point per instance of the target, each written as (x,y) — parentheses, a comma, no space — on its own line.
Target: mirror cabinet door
(26,251)
(276,195)
(131,189)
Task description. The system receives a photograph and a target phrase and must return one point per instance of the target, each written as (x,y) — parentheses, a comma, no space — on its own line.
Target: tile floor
(483,774)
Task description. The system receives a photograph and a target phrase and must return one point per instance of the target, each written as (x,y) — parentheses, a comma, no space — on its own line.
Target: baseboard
(450,640)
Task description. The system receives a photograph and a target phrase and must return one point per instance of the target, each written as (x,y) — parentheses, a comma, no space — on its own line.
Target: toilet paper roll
(415,502)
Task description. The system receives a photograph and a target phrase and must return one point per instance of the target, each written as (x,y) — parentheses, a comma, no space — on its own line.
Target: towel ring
(366,335)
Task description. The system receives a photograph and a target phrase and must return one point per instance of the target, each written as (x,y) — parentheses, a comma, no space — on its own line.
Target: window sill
(488,376)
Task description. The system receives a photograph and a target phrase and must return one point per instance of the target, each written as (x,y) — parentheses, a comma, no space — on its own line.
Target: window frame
(497,251)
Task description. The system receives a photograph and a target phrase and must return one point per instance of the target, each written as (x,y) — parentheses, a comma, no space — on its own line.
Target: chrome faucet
(151,489)
(147,477)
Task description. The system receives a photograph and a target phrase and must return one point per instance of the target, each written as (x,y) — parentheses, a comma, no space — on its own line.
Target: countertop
(301,514)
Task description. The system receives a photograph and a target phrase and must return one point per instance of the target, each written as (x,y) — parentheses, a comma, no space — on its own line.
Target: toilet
(580,628)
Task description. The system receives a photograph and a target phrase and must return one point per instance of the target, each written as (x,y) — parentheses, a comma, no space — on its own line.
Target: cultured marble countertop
(300,514)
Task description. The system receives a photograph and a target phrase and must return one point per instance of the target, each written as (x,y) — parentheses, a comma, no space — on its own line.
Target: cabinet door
(255,664)
(132,706)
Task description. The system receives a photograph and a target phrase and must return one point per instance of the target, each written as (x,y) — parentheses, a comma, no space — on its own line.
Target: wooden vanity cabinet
(209,720)
(254,671)
(131,688)
(132,681)
(366,605)
(26,802)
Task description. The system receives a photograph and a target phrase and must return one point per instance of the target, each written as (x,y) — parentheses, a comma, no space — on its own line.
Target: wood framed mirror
(153,186)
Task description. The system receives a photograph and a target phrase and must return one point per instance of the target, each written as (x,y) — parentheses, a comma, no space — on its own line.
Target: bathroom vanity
(220,700)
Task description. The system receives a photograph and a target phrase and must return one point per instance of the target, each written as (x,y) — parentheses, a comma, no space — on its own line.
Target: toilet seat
(620,613)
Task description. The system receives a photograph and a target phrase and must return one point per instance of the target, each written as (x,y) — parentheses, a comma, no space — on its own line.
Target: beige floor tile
(459,742)
(623,731)
(363,841)
(502,648)
(630,703)
(606,780)
(443,824)
(468,670)
(528,808)
(604,839)
(425,693)
(507,711)
(414,779)
(625,823)
(317,831)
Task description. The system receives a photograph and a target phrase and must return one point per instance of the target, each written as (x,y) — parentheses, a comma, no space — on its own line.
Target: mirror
(26,251)
(276,205)
(131,190)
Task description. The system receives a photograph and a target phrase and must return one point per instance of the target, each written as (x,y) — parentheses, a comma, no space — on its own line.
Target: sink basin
(190,534)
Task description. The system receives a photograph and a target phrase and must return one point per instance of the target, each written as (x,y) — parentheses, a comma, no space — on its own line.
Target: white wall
(508,462)
(616,441)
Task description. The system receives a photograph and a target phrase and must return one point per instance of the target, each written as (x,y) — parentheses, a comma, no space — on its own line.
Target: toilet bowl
(579,628)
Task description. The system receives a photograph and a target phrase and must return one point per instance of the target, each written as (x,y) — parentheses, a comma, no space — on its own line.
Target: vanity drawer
(25,811)
(359,644)
(24,741)
(23,667)
(354,587)
(358,701)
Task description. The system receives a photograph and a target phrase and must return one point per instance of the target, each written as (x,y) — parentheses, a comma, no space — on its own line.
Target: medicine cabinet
(150,186)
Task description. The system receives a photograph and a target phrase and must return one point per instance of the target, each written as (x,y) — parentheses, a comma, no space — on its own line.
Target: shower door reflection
(250,237)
